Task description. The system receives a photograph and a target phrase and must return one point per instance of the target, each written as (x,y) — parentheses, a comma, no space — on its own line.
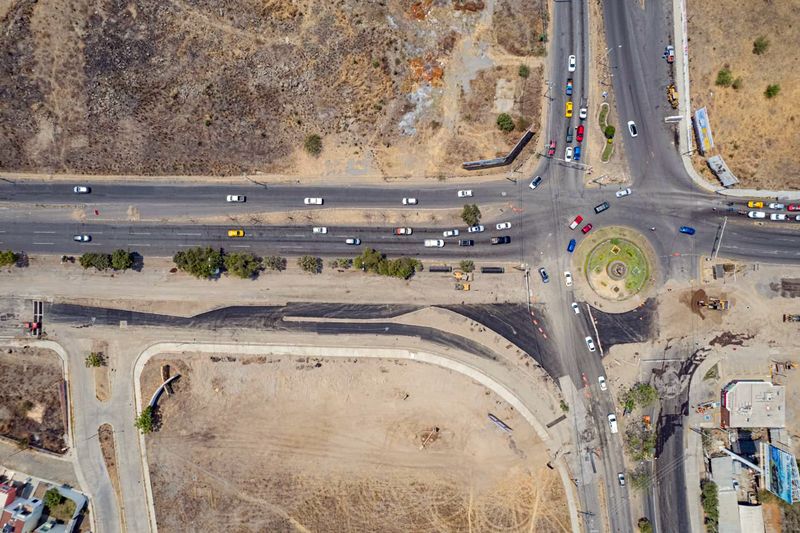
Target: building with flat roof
(753,404)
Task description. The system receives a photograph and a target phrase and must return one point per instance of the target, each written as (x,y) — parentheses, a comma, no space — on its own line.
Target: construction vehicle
(460,276)
(462,286)
(791,318)
(33,328)
(715,304)
(646,422)
(672,96)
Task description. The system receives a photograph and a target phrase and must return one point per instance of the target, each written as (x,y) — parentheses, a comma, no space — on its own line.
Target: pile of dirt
(31,398)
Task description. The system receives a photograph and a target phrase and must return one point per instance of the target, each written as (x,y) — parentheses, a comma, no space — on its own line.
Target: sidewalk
(685,142)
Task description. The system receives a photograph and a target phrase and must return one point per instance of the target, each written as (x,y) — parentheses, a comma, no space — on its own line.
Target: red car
(587,228)
(793,207)
(579,134)
(552,150)
(576,222)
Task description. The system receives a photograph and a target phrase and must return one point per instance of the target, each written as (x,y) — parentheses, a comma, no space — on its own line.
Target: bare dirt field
(270,444)
(752,132)
(30,397)
(217,87)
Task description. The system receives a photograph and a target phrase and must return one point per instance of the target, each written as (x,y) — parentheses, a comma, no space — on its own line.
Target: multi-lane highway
(160,219)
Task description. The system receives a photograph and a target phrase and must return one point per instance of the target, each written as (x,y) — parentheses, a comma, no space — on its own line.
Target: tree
(467,265)
(644,525)
(53,498)
(94,360)
(640,478)
(374,261)
(524,71)
(98,261)
(505,122)
(643,394)
(710,499)
(760,45)
(243,265)
(201,262)
(8,258)
(145,422)
(724,77)
(275,262)
(737,83)
(343,263)
(121,260)
(610,131)
(313,144)
(564,406)
(772,91)
(309,263)
(471,215)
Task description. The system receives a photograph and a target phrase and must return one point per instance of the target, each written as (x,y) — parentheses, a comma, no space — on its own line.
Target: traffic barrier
(500,161)
(492,270)
(440,268)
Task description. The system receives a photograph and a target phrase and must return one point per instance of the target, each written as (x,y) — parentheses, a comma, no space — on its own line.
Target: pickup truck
(569,86)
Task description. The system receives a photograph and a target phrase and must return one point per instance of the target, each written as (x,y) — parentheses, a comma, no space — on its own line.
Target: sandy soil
(747,125)
(222,88)
(30,397)
(278,445)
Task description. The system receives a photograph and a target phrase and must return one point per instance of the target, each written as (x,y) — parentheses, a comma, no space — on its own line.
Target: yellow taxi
(568,113)
(754,203)
(235,233)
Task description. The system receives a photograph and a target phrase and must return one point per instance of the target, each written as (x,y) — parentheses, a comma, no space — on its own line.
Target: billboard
(702,127)
(783,478)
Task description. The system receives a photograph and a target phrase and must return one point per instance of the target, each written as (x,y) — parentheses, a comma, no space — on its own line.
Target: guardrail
(500,161)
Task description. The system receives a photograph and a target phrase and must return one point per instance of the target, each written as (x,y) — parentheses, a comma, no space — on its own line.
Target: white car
(467,193)
(589,343)
(535,182)
(434,243)
(568,154)
(602,381)
(353,240)
(403,231)
(475,229)
(573,61)
(797,218)
(80,189)
(312,201)
(450,233)
(776,206)
(568,278)
(777,216)
(503,225)
(409,201)
(576,308)
(583,113)
(81,238)
(632,128)
(235,198)
(621,478)
(320,230)
(612,421)
(757,214)
(622,193)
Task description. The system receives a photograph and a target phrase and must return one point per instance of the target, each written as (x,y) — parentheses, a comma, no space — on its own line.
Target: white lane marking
(2,231)
(301,235)
(47,232)
(293,247)
(186,245)
(240,246)
(189,234)
(44,243)
(139,233)
(136,244)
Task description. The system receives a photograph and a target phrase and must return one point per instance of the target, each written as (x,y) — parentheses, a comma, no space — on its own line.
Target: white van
(434,243)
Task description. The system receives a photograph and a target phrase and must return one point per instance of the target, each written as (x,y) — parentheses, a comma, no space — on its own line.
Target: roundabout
(618,265)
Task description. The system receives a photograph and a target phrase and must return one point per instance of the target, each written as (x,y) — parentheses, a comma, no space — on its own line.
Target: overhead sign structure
(702,127)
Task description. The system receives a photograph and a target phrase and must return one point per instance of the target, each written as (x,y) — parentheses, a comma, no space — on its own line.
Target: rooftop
(754,404)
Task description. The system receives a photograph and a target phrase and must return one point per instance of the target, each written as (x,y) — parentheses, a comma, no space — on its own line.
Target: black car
(543,273)
(466,242)
(501,240)
(602,207)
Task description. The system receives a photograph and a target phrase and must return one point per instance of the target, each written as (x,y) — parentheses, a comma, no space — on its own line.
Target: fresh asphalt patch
(622,328)
(513,323)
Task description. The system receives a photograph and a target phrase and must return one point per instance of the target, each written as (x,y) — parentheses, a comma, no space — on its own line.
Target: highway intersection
(38,217)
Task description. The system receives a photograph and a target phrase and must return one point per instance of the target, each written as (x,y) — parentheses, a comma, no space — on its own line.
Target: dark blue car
(576,155)
(687,230)
(571,246)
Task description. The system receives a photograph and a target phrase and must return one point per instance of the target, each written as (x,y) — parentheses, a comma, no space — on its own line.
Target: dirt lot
(30,397)
(219,87)
(747,125)
(320,445)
